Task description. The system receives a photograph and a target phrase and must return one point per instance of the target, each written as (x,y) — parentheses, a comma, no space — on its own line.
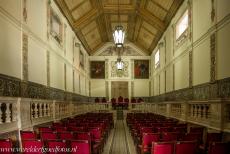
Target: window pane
(157,58)
(182,25)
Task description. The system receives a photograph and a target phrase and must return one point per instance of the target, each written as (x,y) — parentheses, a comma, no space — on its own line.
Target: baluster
(8,113)
(0,113)
(36,111)
(14,112)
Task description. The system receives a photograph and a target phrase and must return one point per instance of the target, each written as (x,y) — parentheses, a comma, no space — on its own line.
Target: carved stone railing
(24,113)
(214,114)
(8,114)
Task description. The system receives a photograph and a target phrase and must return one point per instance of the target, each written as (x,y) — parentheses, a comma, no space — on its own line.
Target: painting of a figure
(97,69)
(141,69)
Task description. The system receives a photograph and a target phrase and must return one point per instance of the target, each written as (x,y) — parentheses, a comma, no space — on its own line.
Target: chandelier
(119,33)
(119,63)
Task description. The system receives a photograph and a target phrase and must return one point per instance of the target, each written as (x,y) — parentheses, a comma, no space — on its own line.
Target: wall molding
(14,87)
(213,29)
(219,89)
(22,26)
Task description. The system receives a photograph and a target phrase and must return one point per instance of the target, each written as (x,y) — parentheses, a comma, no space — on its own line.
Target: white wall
(40,42)
(198,43)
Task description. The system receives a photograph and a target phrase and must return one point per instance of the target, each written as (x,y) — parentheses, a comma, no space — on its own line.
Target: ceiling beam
(151,19)
(83,41)
(160,6)
(87,18)
(102,28)
(65,11)
(77,6)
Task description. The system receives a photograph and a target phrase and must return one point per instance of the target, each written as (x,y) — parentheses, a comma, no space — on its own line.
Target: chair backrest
(76,129)
(193,136)
(83,136)
(219,148)
(32,146)
(28,135)
(80,147)
(148,138)
(95,133)
(186,147)
(57,146)
(162,148)
(48,135)
(6,146)
(97,100)
(169,136)
(66,135)
(214,137)
(45,129)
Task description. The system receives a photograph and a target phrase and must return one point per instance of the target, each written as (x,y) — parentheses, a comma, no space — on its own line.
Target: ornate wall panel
(120,73)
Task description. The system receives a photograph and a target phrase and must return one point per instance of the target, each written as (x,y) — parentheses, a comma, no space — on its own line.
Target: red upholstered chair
(113,101)
(80,147)
(83,136)
(45,129)
(6,146)
(28,135)
(186,147)
(120,99)
(147,140)
(32,146)
(162,148)
(133,100)
(66,135)
(97,100)
(48,135)
(169,136)
(104,100)
(192,137)
(219,148)
(76,129)
(140,100)
(211,137)
(57,147)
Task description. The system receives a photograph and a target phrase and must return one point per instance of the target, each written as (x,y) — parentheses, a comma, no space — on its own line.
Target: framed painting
(141,69)
(81,59)
(97,69)
(55,26)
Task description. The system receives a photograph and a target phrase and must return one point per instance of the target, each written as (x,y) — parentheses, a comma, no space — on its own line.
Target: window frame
(157,64)
(184,35)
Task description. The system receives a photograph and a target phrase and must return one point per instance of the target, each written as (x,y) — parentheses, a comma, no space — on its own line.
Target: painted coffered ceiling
(94,20)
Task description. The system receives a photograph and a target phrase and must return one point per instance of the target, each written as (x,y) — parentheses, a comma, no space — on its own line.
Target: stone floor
(120,140)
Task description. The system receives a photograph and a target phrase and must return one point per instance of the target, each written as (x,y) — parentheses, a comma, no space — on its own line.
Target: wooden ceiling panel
(89,27)
(156,10)
(149,28)
(94,21)
(72,3)
(120,2)
(114,18)
(82,10)
(165,4)
(146,37)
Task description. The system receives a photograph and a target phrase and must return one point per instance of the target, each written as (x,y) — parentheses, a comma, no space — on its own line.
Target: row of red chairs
(148,128)
(83,134)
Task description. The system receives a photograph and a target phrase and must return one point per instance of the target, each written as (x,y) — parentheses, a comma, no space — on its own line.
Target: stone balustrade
(214,114)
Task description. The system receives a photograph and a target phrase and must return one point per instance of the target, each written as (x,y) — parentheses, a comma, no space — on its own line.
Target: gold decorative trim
(190,68)
(25,57)
(213,57)
(73,81)
(48,67)
(24,11)
(65,81)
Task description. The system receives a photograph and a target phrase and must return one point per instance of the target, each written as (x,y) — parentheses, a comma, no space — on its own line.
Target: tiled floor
(120,140)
